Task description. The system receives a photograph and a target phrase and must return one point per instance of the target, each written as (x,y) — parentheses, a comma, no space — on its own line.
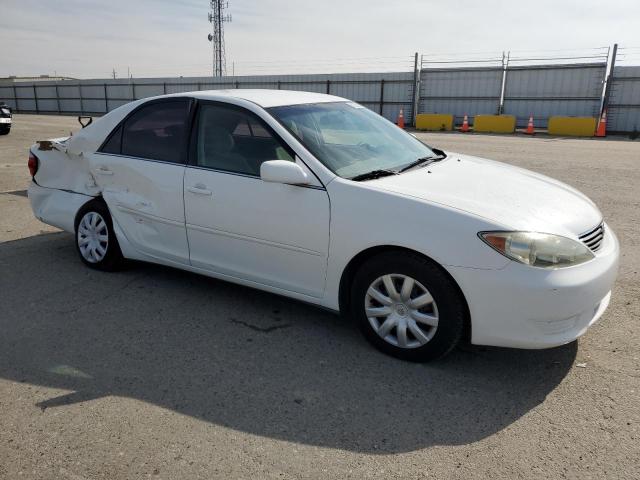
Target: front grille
(593,238)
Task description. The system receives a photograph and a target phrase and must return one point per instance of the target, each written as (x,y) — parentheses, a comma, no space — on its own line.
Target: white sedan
(317,198)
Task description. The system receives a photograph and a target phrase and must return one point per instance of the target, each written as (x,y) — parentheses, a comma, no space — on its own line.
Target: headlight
(538,249)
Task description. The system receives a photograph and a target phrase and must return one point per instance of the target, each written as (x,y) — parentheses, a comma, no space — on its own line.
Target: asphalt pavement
(157,373)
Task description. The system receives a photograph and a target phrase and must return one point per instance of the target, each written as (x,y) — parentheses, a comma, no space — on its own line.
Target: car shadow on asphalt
(244,359)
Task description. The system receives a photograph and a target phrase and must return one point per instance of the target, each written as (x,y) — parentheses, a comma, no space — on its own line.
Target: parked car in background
(317,198)
(5,119)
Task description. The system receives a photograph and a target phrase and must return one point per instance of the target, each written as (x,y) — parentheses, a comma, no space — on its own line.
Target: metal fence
(384,93)
(460,91)
(546,90)
(624,101)
(509,84)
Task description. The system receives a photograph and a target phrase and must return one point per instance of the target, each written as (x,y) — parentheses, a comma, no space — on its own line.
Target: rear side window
(114,143)
(157,132)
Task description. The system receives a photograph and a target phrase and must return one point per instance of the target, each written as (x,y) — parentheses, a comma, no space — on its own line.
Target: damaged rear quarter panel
(64,162)
(58,169)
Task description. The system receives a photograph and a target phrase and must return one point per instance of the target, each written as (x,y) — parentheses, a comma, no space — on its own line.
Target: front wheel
(407,306)
(96,241)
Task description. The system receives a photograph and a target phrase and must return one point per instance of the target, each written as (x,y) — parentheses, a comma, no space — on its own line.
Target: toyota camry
(317,198)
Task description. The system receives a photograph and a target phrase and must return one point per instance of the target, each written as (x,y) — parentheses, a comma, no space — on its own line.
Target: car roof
(264,97)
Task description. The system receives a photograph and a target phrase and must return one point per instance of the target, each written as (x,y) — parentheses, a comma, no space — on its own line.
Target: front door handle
(199,189)
(103,171)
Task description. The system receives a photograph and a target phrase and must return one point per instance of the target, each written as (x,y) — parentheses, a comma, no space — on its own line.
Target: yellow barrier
(494,123)
(572,126)
(434,121)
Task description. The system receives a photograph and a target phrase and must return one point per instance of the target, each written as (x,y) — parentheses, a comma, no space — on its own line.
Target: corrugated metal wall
(384,93)
(624,102)
(541,90)
(460,91)
(546,90)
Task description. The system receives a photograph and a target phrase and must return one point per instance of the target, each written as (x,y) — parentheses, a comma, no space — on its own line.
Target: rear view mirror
(283,171)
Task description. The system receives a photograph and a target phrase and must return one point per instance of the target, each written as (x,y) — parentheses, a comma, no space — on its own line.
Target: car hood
(510,197)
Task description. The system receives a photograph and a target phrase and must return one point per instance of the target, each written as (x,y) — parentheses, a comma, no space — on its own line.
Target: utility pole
(609,80)
(417,79)
(217,18)
(503,85)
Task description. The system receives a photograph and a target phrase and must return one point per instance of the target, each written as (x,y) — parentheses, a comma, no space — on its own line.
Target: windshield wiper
(439,155)
(372,175)
(417,162)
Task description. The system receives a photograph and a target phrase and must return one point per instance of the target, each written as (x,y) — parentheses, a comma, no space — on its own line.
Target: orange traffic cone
(601,131)
(465,123)
(401,119)
(530,130)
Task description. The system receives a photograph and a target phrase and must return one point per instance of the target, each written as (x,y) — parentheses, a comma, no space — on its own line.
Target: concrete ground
(158,373)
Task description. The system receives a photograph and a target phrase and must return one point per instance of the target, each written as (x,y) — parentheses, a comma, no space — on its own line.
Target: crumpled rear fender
(64,162)
(60,169)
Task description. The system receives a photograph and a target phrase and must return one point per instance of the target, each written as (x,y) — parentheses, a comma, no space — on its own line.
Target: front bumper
(526,307)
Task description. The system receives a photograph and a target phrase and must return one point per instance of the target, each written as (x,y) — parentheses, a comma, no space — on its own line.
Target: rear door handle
(199,189)
(103,171)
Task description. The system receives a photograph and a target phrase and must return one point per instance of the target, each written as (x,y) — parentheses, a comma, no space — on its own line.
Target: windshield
(349,138)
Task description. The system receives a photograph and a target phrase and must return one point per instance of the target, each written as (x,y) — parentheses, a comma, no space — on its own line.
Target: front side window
(157,131)
(350,139)
(234,140)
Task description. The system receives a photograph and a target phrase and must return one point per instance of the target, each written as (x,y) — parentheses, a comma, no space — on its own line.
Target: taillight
(33,164)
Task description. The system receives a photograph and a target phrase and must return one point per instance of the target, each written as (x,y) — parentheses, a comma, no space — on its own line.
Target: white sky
(87,38)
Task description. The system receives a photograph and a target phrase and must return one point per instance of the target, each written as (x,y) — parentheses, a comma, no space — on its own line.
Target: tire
(95,238)
(5,131)
(440,323)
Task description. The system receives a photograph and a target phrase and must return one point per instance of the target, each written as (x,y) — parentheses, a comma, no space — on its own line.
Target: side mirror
(283,171)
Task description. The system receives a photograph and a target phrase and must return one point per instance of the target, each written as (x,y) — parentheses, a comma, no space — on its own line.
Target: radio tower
(217,18)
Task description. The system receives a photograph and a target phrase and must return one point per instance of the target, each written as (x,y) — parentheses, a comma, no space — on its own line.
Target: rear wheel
(4,130)
(96,241)
(407,306)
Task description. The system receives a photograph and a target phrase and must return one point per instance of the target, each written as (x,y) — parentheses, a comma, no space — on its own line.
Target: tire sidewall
(451,307)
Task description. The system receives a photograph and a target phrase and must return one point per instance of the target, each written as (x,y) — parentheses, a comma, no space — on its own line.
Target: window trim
(251,177)
(184,148)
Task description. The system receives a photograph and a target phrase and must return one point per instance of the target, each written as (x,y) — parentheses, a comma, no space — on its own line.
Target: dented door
(145,200)
(139,171)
